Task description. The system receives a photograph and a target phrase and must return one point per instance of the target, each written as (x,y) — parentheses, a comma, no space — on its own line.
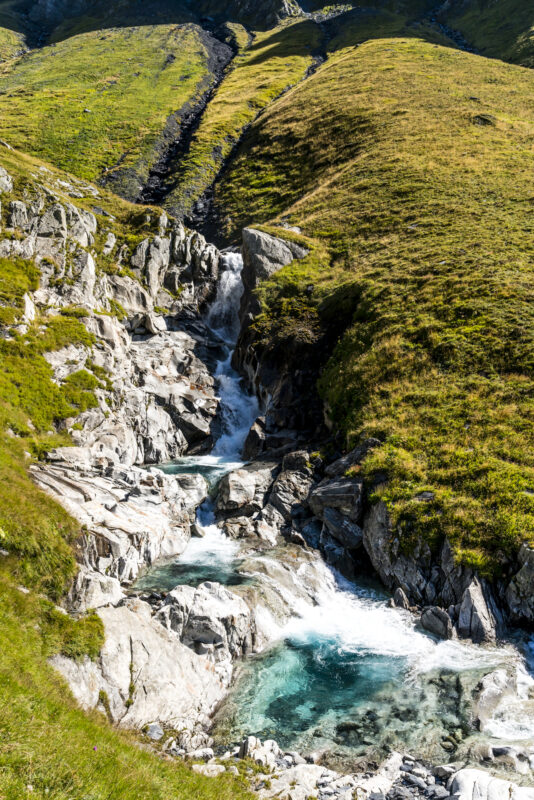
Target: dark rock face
(437,621)
(434,581)
(519,595)
(284,370)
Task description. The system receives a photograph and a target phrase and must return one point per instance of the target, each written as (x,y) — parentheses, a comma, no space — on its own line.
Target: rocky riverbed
(158,461)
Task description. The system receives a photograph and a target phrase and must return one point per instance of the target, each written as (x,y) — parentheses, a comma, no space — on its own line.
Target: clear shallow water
(348,675)
(352,676)
(212,558)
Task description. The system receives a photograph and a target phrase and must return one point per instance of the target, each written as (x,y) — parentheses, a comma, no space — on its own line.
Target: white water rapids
(337,654)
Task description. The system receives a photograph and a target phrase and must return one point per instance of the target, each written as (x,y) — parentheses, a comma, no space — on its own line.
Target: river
(341,672)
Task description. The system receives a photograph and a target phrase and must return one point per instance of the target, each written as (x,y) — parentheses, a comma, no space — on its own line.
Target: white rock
(474,784)
(209,770)
(6,181)
(146,672)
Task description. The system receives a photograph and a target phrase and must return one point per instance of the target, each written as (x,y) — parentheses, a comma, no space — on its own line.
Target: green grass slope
(260,73)
(408,167)
(503,29)
(50,750)
(101,100)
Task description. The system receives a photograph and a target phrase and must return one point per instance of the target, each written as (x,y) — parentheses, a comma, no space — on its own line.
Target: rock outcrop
(519,594)
(263,255)
(427,581)
(210,620)
(130,517)
(144,673)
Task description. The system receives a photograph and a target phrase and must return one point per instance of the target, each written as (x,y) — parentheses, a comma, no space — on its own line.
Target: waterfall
(238,408)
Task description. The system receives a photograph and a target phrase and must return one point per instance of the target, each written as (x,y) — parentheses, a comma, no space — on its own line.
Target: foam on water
(360,620)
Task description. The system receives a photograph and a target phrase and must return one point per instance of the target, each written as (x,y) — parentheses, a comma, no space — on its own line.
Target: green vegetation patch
(502,30)
(408,165)
(101,100)
(270,64)
(11,44)
(52,749)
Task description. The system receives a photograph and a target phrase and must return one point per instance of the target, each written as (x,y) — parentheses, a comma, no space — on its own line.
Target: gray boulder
(478,618)
(342,494)
(435,620)
(210,620)
(400,600)
(53,222)
(348,533)
(244,490)
(263,255)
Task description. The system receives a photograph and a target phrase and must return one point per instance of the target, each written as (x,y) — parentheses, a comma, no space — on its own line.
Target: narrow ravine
(340,672)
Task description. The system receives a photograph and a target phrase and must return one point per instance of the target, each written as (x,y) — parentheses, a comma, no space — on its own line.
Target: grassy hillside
(102,99)
(503,29)
(49,747)
(408,167)
(272,62)
(11,44)
(53,751)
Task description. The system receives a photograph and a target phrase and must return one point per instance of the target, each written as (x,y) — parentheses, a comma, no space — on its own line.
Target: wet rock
(478,618)
(400,599)
(245,490)
(519,595)
(211,620)
(490,693)
(292,486)
(435,620)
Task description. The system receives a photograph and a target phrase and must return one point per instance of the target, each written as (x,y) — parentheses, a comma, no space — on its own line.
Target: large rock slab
(145,673)
(474,784)
(263,255)
(131,517)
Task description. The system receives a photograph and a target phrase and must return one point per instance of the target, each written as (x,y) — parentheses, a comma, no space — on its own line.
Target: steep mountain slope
(498,28)
(407,166)
(265,68)
(105,104)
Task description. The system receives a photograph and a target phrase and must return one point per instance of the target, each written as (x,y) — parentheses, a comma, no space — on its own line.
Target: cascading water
(350,675)
(343,672)
(238,409)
